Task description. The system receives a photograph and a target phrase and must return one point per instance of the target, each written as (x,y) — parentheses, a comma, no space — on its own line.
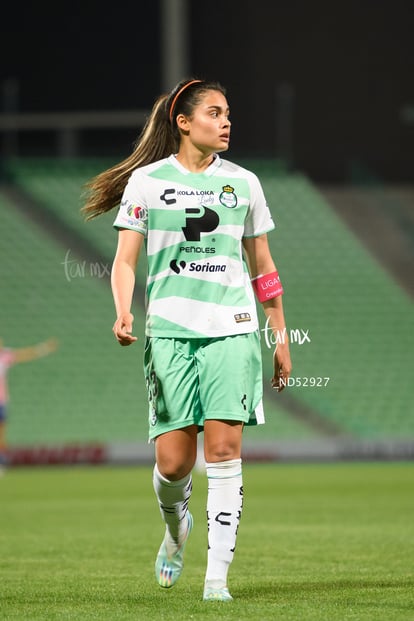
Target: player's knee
(174,470)
(222,451)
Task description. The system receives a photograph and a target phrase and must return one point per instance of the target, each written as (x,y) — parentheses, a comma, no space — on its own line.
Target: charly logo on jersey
(228,198)
(166,196)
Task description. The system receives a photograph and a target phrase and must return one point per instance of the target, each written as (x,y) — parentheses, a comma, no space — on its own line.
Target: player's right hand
(123,329)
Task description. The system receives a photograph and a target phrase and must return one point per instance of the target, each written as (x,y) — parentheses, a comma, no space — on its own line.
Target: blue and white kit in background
(198,285)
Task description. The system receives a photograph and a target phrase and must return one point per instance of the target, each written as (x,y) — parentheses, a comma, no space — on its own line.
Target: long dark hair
(159,138)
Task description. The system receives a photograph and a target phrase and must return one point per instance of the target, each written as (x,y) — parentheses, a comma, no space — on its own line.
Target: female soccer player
(203,221)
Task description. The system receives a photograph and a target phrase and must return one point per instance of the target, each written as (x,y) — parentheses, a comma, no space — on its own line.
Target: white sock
(224,509)
(173,498)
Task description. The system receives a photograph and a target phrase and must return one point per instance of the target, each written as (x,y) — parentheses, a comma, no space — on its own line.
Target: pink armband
(267,287)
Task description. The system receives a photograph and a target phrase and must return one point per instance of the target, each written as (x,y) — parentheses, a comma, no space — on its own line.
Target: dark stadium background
(329,86)
(322,106)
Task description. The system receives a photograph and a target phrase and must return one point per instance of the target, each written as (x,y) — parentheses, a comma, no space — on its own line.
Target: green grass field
(316,542)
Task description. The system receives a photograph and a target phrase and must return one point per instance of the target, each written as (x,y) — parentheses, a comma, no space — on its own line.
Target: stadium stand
(80,393)
(360,321)
(350,323)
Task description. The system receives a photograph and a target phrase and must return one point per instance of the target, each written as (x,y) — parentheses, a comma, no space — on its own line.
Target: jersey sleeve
(259,219)
(133,210)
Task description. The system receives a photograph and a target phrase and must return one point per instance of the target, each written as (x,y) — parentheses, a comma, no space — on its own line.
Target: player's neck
(195,161)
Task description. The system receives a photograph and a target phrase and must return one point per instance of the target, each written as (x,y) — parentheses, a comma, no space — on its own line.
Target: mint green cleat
(216,593)
(170,561)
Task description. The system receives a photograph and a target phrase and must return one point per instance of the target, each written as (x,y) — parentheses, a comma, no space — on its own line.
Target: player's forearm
(275,317)
(123,283)
(27,354)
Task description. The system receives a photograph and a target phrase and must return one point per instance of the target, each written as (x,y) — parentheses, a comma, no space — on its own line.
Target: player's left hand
(282,366)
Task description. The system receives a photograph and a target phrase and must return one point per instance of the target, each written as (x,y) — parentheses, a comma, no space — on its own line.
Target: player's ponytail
(156,141)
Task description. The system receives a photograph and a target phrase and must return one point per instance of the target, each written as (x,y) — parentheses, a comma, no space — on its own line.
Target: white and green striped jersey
(198,283)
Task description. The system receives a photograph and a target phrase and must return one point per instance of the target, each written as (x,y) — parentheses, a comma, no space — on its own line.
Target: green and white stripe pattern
(198,283)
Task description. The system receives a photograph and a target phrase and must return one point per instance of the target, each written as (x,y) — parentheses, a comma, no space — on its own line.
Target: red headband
(174,101)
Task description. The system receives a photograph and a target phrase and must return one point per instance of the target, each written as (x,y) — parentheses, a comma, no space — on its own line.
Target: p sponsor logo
(199,221)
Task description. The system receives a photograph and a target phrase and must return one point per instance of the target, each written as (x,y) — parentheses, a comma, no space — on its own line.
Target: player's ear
(182,122)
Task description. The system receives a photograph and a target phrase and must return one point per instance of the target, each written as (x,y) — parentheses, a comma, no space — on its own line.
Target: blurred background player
(202,220)
(8,358)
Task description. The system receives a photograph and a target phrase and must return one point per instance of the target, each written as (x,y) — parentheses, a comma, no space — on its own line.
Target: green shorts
(193,380)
